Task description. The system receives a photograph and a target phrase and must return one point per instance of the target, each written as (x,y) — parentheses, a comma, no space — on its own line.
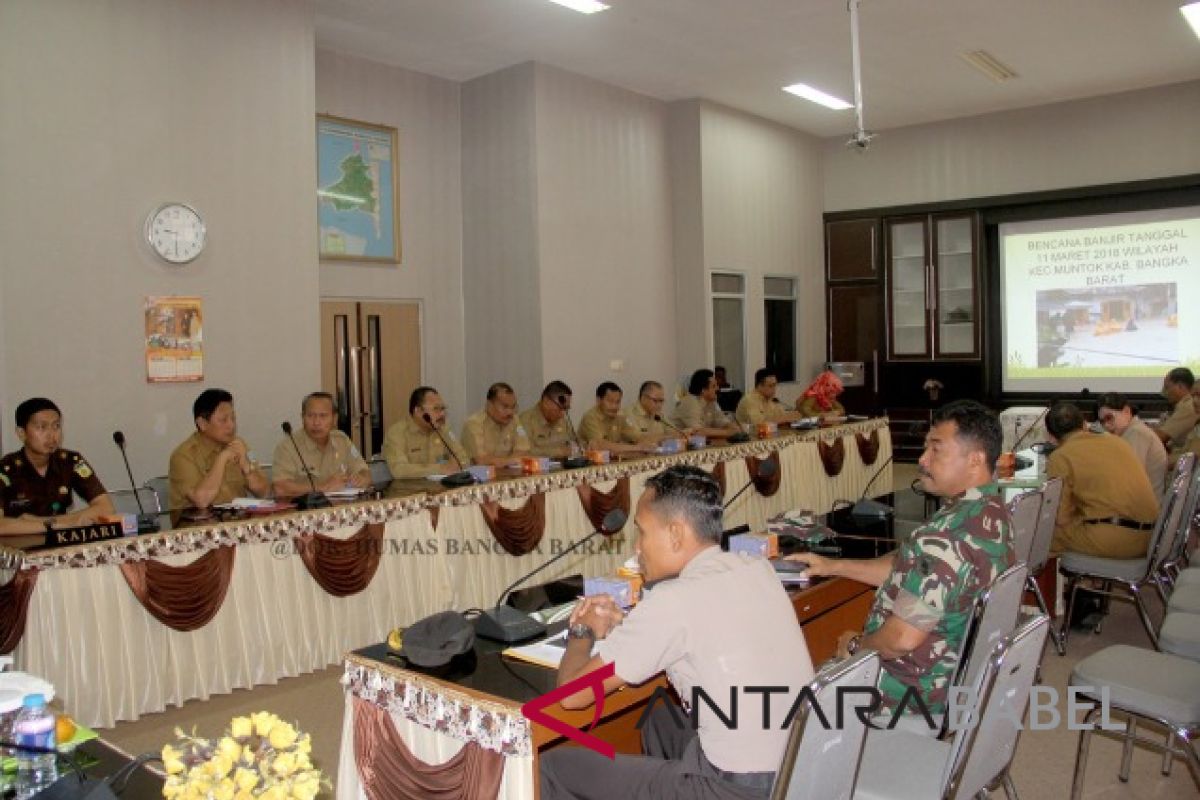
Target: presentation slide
(1105,303)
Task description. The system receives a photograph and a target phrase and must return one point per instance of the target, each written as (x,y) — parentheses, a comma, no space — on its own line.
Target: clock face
(176,232)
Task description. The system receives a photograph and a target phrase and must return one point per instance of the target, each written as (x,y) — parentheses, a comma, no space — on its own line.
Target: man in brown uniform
(604,427)
(494,435)
(760,404)
(329,456)
(546,423)
(646,414)
(213,465)
(699,412)
(36,482)
(1174,429)
(413,448)
(1108,506)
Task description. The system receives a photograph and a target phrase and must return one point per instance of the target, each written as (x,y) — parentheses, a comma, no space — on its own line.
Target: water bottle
(34,728)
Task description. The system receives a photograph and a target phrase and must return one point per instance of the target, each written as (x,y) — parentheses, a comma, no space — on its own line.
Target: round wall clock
(176,232)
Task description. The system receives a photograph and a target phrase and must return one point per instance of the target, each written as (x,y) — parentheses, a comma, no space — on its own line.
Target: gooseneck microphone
(146,523)
(456,479)
(742,435)
(313,499)
(571,462)
(664,421)
(503,623)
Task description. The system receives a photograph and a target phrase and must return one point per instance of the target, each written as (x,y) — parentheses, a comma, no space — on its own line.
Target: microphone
(313,499)
(766,469)
(146,523)
(571,462)
(663,420)
(867,508)
(460,478)
(742,435)
(506,624)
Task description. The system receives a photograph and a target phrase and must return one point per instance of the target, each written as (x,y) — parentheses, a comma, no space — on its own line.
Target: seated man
(413,448)
(494,435)
(1116,415)
(761,404)
(699,412)
(329,456)
(1108,506)
(213,465)
(646,415)
(546,423)
(1175,426)
(928,586)
(37,481)
(604,427)
(748,639)
(820,398)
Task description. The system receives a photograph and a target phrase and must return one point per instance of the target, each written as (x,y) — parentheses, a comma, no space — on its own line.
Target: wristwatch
(581,631)
(854,643)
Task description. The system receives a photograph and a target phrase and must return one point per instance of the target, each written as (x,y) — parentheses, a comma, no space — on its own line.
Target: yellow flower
(304,744)
(223,790)
(302,761)
(243,794)
(282,735)
(172,760)
(276,792)
(172,787)
(248,755)
(246,779)
(220,765)
(306,788)
(263,722)
(229,748)
(284,764)
(241,727)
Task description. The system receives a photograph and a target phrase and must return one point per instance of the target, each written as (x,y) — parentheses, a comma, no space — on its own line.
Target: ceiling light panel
(989,65)
(582,6)
(817,96)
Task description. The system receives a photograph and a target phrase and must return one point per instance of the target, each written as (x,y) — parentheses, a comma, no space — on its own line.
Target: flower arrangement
(260,757)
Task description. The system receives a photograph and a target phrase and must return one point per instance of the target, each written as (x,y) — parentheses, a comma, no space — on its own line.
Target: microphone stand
(765,470)
(571,462)
(313,499)
(460,478)
(146,523)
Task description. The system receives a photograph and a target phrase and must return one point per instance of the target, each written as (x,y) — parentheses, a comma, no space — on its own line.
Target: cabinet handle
(875,370)
(873,249)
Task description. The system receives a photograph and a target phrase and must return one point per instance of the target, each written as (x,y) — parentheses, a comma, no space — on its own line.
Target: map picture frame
(358,203)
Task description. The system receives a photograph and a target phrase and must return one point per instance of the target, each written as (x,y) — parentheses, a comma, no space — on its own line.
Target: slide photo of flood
(1111,326)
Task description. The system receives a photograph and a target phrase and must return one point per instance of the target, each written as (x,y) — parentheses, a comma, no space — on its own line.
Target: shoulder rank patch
(83,470)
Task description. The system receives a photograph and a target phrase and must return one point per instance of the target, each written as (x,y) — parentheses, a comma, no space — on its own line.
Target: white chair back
(161,486)
(821,758)
(1170,514)
(989,749)
(1044,535)
(1025,509)
(124,501)
(1000,605)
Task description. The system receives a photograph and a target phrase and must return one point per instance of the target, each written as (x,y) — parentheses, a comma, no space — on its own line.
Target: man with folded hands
(213,465)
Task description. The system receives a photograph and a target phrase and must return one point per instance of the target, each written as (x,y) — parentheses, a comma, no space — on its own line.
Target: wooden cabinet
(933,289)
(854,304)
(851,251)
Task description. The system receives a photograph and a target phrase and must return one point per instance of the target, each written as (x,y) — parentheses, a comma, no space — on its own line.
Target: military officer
(37,481)
(413,448)
(329,456)
(604,427)
(546,423)
(699,412)
(213,465)
(760,404)
(494,435)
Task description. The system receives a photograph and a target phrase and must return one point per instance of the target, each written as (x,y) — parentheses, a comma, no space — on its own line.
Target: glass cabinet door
(908,287)
(954,304)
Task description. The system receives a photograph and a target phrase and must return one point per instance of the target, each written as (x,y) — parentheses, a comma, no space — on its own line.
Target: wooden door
(855,314)
(850,251)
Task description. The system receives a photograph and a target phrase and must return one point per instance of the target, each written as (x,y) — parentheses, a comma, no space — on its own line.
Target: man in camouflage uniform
(928,586)
(37,481)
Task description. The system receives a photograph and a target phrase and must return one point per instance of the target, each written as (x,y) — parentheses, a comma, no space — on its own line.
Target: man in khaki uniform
(760,404)
(1174,429)
(699,411)
(604,427)
(1116,415)
(329,456)
(1108,506)
(546,423)
(642,414)
(494,435)
(413,448)
(213,465)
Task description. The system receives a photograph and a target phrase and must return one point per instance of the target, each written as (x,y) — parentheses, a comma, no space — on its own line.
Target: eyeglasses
(437,409)
(1107,418)
(656,399)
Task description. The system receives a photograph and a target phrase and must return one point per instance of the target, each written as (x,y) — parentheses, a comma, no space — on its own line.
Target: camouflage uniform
(937,574)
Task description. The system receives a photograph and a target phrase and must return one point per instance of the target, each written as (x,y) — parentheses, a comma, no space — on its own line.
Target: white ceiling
(740,52)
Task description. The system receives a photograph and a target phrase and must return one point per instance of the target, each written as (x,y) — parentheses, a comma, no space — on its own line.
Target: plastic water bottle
(34,727)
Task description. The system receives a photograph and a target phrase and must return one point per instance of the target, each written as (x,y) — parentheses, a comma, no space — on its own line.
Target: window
(729,326)
(779,312)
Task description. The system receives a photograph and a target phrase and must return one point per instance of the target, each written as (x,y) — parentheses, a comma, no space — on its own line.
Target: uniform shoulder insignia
(62,454)
(82,469)
(4,478)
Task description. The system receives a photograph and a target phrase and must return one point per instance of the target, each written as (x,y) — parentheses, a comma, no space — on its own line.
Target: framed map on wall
(358,216)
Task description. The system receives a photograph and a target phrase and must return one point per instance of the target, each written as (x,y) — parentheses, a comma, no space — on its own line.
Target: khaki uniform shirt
(1150,451)
(595,425)
(645,425)
(24,491)
(810,408)
(483,437)
(191,461)
(749,638)
(413,452)
(1179,424)
(754,408)
(692,412)
(1102,478)
(323,464)
(545,438)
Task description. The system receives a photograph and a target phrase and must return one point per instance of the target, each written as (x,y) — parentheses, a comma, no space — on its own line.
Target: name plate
(84,534)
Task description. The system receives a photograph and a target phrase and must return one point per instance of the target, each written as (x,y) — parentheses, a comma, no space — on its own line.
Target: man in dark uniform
(36,481)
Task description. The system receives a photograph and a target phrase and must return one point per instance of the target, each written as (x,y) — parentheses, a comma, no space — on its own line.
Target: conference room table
(130,626)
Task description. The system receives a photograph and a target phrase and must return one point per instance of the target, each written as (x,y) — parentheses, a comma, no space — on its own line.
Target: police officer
(494,435)
(37,481)
(413,448)
(329,456)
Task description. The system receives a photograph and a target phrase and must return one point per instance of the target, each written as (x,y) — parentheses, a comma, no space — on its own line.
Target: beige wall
(1122,137)
(425,112)
(109,110)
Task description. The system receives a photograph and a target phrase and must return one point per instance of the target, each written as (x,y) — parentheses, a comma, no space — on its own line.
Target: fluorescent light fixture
(988,65)
(1191,12)
(582,6)
(817,96)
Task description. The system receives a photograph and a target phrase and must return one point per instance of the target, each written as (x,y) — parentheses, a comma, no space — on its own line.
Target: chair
(1132,574)
(1039,553)
(1176,558)
(379,471)
(999,607)
(1024,510)
(126,502)
(828,754)
(903,765)
(161,486)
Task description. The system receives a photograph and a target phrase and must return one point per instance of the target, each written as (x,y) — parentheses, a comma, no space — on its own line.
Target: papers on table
(546,653)
(250,502)
(349,491)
